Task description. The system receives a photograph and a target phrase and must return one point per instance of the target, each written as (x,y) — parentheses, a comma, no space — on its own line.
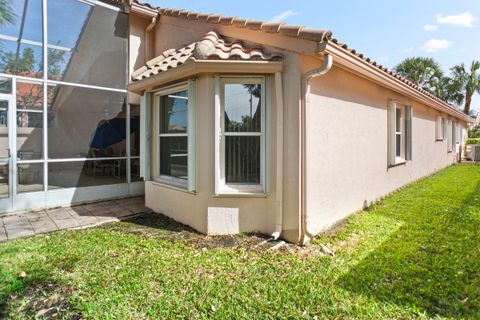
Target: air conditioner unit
(476,152)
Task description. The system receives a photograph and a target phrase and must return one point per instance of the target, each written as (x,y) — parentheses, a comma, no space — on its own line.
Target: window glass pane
(242,159)
(23,60)
(174,157)
(173,112)
(398,144)
(135,170)
(86,173)
(86,123)
(4,180)
(398,122)
(242,107)
(5,85)
(22,19)
(29,121)
(134,130)
(4,144)
(30,177)
(71,56)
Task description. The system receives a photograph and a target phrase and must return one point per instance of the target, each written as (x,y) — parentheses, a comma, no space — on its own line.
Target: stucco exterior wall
(136,51)
(254,213)
(347,165)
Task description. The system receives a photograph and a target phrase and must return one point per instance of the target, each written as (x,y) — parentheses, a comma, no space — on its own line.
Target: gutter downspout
(305,234)
(279,157)
(149,28)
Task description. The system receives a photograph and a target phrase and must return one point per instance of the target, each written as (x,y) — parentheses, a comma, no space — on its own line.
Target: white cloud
(434,45)
(465,19)
(430,27)
(405,50)
(284,15)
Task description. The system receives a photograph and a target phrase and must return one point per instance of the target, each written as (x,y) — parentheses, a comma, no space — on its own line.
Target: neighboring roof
(211,47)
(317,35)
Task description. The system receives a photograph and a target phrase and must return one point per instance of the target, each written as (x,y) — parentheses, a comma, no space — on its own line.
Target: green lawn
(415,255)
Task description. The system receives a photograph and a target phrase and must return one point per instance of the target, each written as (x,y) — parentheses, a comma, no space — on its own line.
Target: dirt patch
(158,226)
(46,300)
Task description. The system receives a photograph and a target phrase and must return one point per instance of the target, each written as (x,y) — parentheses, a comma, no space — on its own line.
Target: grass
(414,255)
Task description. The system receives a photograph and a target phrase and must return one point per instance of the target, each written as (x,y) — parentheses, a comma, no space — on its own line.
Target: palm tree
(424,72)
(6,13)
(467,81)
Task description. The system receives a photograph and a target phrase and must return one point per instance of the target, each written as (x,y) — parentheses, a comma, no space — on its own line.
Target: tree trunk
(468,101)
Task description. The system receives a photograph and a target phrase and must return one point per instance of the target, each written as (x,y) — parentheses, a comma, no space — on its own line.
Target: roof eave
(205,66)
(360,66)
(143,10)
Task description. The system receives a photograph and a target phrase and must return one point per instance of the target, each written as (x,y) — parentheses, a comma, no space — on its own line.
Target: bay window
(240,151)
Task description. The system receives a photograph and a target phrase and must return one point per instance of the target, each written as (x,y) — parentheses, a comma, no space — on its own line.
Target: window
(176,136)
(444,128)
(440,132)
(241,140)
(400,133)
(449,135)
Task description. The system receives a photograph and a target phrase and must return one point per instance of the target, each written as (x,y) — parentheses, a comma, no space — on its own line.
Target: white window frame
(405,132)
(189,183)
(221,187)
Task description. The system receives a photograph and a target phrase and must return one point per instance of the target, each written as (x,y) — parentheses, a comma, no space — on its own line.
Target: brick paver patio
(83,216)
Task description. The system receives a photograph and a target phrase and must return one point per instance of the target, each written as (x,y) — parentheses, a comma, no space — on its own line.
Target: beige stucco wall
(254,213)
(136,51)
(347,146)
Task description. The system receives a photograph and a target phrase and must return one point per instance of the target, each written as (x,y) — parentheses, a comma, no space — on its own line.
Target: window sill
(171,184)
(439,140)
(231,194)
(397,164)
(256,191)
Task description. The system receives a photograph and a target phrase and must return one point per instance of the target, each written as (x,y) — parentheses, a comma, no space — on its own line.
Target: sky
(387,31)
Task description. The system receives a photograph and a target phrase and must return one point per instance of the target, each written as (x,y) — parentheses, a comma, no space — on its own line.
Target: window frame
(221,187)
(189,183)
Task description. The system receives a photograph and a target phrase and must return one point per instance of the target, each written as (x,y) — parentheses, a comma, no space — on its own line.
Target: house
(227,124)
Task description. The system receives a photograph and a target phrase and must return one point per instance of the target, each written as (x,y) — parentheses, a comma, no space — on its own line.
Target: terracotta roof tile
(211,47)
(318,35)
(392,73)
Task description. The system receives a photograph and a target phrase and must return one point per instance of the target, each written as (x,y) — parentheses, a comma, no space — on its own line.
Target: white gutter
(305,234)
(279,157)
(149,28)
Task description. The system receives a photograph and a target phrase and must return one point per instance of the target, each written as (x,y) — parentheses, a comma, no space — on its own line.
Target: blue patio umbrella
(108,133)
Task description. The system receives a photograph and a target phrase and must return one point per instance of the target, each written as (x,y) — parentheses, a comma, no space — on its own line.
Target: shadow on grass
(431,263)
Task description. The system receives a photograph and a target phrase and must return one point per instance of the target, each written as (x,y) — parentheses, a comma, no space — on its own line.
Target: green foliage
(424,72)
(415,255)
(472,141)
(6,13)
(468,81)
(24,63)
(474,132)
(457,88)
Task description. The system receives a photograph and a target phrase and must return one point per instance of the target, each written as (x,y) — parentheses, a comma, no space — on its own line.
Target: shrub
(472,141)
